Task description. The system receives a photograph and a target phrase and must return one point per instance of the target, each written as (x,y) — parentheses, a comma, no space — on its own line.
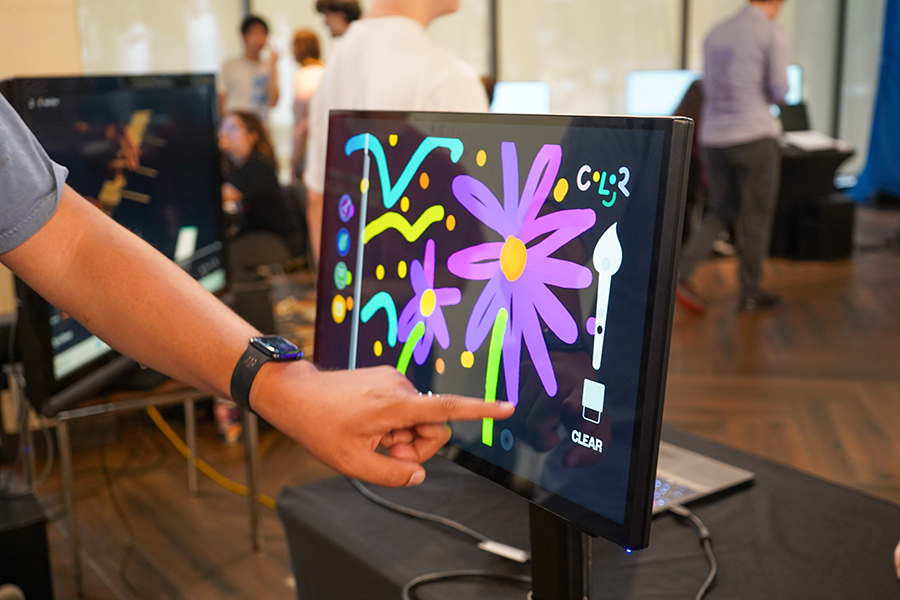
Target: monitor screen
(143,149)
(657,93)
(518,258)
(521,97)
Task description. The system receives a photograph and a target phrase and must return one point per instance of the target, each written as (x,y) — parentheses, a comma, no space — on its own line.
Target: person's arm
(273,76)
(779,58)
(143,305)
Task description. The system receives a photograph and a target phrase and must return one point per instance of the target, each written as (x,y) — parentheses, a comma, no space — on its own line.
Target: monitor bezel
(33,328)
(634,532)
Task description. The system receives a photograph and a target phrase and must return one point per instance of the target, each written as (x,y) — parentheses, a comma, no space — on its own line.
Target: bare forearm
(131,296)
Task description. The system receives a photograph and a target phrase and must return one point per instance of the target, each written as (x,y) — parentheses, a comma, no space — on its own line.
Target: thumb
(388,471)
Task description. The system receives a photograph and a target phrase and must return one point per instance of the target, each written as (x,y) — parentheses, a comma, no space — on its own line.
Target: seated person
(251,191)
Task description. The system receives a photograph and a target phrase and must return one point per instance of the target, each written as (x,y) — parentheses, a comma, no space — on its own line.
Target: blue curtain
(882,171)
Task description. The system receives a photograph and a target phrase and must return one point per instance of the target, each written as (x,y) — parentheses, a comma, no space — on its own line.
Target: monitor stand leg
(560,558)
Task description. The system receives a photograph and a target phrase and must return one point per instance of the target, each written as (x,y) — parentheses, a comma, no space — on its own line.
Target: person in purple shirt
(745,72)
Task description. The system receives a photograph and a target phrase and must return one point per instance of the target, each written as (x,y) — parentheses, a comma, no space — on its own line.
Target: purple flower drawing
(425,307)
(519,268)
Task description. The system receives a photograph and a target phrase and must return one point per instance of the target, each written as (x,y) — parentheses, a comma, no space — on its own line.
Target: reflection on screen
(505,262)
(147,157)
(657,93)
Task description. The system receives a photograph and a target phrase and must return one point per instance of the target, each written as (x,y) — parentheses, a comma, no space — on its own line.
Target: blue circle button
(343,241)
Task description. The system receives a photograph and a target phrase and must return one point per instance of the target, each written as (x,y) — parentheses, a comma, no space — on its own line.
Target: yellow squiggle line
(411,232)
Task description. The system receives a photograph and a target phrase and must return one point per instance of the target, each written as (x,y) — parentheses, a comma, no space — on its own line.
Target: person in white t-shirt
(247,83)
(306,81)
(386,61)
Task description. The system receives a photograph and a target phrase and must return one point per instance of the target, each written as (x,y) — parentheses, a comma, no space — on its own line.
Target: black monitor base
(560,558)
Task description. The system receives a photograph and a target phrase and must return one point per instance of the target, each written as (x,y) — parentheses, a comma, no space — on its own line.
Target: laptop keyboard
(668,492)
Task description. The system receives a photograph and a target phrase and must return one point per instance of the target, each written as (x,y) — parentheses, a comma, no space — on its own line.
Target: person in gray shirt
(145,306)
(745,72)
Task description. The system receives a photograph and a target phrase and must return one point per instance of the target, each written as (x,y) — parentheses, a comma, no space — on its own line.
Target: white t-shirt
(306,82)
(387,63)
(245,85)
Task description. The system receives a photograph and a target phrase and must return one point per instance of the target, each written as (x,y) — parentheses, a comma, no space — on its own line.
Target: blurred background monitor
(521,97)
(658,93)
(144,150)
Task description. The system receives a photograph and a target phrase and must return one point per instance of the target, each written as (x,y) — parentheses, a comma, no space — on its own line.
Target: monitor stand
(560,558)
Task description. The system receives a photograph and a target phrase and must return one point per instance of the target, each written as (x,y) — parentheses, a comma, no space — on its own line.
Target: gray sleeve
(30,183)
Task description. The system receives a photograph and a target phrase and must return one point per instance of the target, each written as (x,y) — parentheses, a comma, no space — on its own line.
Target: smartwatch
(259,351)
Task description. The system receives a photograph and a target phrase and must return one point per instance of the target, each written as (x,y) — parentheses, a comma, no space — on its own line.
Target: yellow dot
(467,359)
(481,158)
(364,185)
(512,258)
(392,139)
(427,303)
(379,348)
(349,303)
(451,222)
(404,204)
(338,309)
(439,365)
(379,272)
(596,176)
(349,277)
(424,181)
(401,269)
(561,189)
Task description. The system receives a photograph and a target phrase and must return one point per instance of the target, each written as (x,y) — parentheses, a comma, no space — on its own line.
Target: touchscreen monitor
(527,259)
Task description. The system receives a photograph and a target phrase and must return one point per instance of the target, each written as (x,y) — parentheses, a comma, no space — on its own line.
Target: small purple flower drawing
(425,307)
(518,274)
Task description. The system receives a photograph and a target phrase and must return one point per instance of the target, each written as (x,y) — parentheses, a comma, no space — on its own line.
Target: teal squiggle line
(379,301)
(392,194)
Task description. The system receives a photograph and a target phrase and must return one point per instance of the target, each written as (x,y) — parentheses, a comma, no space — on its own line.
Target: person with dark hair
(247,82)
(338,14)
(306,81)
(745,64)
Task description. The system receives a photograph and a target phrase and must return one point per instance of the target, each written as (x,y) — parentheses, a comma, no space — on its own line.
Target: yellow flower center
(427,303)
(512,258)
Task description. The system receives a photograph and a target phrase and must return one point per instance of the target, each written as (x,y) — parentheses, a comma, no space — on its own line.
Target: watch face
(277,347)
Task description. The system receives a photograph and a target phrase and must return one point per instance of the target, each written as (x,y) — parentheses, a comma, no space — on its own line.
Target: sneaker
(228,420)
(686,297)
(763,301)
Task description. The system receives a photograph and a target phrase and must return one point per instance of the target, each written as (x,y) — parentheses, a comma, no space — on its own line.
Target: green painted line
(414,336)
(411,232)
(493,372)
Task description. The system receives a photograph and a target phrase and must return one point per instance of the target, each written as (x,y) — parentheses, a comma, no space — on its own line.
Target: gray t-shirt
(30,183)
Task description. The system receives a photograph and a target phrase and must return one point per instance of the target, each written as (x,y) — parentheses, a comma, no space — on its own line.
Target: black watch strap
(244,373)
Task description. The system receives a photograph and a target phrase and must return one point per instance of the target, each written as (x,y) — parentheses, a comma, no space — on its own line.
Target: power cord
(411,585)
(484,542)
(705,541)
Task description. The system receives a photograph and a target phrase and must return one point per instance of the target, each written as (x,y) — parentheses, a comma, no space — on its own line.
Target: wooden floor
(814,384)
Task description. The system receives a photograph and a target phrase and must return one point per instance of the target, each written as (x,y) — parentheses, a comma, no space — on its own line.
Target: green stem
(493,372)
(414,336)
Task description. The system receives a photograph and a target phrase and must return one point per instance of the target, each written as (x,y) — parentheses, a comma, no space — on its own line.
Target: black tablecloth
(788,535)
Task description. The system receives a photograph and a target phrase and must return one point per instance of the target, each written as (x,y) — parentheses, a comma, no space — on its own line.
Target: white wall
(37,37)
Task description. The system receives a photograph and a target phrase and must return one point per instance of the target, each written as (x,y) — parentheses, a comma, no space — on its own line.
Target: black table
(24,553)
(788,535)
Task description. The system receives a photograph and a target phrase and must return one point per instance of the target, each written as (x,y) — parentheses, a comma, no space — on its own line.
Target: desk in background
(812,219)
(787,536)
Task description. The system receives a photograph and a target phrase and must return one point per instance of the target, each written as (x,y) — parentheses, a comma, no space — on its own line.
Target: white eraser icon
(592,400)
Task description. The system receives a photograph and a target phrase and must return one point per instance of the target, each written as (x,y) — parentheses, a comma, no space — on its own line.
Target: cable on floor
(203,466)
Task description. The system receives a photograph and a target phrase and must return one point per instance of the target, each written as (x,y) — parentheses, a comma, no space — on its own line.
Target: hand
(342,417)
(273,56)
(230,194)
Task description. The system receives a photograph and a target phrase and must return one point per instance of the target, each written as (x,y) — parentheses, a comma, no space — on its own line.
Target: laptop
(684,476)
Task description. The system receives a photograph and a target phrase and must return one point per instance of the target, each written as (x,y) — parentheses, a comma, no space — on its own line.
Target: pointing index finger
(451,407)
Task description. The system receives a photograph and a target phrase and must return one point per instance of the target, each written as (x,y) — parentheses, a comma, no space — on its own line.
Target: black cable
(705,541)
(132,536)
(412,584)
(404,510)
